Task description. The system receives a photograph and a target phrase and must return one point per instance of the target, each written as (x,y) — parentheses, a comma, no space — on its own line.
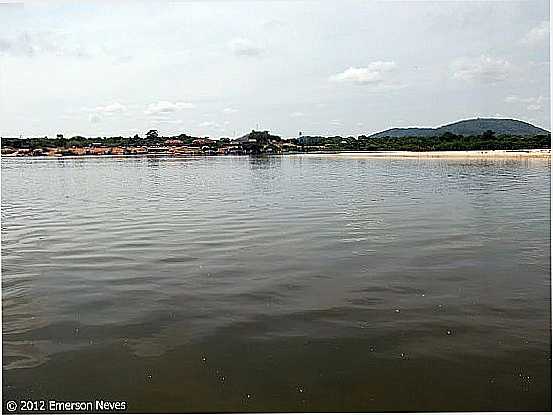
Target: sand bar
(503,154)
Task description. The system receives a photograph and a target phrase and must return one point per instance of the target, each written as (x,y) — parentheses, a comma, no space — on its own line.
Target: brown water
(278,284)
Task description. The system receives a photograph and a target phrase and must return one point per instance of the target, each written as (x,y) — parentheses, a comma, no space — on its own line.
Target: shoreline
(461,154)
(464,154)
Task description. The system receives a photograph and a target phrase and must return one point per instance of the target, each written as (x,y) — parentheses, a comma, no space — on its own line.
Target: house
(53,152)
(286,147)
(23,152)
(8,151)
(158,149)
(202,142)
(77,151)
(98,151)
(117,151)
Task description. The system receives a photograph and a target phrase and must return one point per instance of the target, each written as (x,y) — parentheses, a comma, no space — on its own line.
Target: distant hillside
(406,132)
(475,126)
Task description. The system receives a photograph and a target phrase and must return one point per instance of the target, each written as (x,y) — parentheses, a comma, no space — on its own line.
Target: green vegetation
(151,139)
(448,141)
(258,142)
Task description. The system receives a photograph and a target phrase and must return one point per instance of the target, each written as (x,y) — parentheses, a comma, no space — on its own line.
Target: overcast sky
(224,68)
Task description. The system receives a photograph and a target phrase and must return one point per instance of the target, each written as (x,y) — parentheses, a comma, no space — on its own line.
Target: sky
(223,68)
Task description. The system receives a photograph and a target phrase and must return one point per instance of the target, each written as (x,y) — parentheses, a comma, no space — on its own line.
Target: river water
(277,284)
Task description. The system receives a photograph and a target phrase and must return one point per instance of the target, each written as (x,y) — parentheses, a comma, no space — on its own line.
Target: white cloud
(111,108)
(512,99)
(98,113)
(31,44)
(537,35)
(166,121)
(166,107)
(94,118)
(230,110)
(245,47)
(531,103)
(208,124)
(534,107)
(484,69)
(336,122)
(297,114)
(274,24)
(375,73)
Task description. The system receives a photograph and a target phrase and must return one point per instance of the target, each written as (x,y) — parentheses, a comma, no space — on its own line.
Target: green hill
(475,126)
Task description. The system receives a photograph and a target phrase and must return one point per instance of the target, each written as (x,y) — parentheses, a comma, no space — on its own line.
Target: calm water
(278,284)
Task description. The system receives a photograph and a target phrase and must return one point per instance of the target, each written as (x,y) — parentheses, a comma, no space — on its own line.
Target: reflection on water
(278,283)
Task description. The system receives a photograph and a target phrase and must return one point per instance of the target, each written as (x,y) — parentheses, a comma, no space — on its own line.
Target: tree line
(448,141)
(445,142)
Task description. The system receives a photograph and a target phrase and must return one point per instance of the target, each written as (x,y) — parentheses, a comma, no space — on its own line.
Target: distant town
(467,135)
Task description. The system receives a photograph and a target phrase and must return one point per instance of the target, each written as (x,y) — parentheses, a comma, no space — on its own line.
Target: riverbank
(474,154)
(535,153)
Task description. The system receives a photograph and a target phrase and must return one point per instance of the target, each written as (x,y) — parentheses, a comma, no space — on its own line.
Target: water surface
(278,284)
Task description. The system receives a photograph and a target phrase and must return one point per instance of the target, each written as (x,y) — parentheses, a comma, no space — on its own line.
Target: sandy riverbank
(537,153)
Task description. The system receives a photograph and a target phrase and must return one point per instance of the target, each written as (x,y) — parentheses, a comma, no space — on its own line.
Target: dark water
(277,284)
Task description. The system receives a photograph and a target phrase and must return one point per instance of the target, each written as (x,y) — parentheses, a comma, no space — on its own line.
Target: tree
(60,141)
(447,136)
(488,135)
(152,134)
